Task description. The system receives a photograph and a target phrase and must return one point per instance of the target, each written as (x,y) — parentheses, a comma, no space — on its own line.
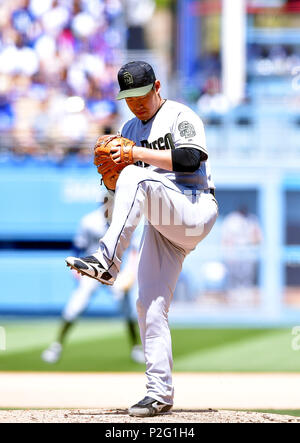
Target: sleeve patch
(186,129)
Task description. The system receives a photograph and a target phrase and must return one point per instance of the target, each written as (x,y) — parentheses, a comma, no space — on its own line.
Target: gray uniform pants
(176,222)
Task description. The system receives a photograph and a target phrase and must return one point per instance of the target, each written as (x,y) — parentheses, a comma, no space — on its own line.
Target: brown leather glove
(107,167)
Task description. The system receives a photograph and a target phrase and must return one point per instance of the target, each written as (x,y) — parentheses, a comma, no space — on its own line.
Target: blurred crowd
(275,62)
(58,68)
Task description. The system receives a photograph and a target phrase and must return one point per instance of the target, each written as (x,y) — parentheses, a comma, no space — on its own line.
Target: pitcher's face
(146,106)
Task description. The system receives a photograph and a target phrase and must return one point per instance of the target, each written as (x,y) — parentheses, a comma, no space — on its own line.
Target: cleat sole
(88,275)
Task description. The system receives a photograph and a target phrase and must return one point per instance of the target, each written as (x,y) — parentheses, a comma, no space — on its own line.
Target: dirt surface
(105,397)
(121,416)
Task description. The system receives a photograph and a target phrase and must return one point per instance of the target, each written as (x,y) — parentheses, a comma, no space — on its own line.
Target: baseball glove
(107,167)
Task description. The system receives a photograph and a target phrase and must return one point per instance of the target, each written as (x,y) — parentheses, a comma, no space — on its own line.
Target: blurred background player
(91,227)
(241,234)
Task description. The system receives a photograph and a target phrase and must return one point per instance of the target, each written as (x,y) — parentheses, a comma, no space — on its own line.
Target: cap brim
(136,92)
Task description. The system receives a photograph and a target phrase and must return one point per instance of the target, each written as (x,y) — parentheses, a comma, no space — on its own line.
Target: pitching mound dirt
(121,416)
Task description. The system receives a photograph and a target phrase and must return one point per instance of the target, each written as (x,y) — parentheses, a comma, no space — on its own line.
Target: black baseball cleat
(91,267)
(148,407)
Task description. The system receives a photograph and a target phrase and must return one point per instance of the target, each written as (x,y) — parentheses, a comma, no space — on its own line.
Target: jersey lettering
(165,142)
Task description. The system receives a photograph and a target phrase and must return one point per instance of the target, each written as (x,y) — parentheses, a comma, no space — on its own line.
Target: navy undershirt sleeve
(187,159)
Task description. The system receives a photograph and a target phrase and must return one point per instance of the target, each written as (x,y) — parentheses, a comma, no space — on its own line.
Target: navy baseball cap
(135,79)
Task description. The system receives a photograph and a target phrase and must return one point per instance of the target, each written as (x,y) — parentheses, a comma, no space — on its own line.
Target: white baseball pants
(177,222)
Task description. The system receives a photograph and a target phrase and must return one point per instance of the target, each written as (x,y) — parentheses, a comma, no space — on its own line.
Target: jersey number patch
(186,130)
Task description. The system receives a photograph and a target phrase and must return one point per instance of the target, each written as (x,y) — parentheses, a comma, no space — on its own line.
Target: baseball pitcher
(158,165)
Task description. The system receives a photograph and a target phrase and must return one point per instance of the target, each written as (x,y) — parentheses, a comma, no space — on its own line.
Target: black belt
(212,191)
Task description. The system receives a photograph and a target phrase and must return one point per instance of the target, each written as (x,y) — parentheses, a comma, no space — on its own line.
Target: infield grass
(98,345)
(293,412)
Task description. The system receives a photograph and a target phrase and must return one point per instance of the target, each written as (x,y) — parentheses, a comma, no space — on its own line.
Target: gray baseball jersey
(174,126)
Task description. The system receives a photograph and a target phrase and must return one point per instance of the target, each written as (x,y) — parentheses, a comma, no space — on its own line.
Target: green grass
(103,345)
(243,351)
(293,412)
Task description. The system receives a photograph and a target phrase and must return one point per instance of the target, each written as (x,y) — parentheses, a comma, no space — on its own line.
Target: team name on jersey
(165,142)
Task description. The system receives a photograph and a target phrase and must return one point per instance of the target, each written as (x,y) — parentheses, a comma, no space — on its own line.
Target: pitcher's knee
(130,175)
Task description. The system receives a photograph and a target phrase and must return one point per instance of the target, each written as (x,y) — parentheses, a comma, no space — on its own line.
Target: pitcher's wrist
(136,153)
